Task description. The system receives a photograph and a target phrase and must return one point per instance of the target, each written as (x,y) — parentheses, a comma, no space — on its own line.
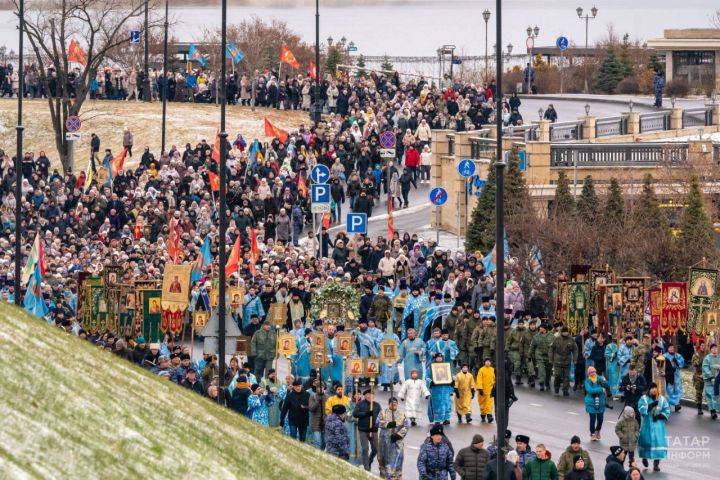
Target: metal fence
(527,133)
(654,122)
(566,132)
(697,117)
(607,127)
(617,154)
(482,147)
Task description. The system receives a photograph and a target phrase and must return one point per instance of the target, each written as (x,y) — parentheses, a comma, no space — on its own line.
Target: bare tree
(716,19)
(99,26)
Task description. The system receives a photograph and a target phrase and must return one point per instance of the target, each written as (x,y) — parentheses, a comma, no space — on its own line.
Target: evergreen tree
(334,58)
(588,205)
(696,238)
(614,211)
(563,204)
(651,226)
(610,72)
(654,63)
(625,60)
(361,65)
(647,212)
(387,65)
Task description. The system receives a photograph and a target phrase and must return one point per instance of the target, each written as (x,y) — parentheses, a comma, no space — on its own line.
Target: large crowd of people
(438,306)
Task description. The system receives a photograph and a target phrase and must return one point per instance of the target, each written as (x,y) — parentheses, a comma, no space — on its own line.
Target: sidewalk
(640,100)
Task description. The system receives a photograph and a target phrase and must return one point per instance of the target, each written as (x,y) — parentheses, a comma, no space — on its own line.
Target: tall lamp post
(587,19)
(532,34)
(486,17)
(146,91)
(500,247)
(315,113)
(223,207)
(165,79)
(18,155)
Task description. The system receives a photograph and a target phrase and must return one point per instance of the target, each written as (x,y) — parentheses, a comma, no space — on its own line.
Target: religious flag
(231,51)
(216,148)
(255,154)
(34,301)
(76,54)
(116,164)
(195,54)
(535,259)
(240,143)
(287,56)
(108,167)
(326,220)
(36,257)
(174,241)
(391,224)
(234,259)
(273,131)
(88,180)
(214,181)
(254,252)
(313,72)
(302,187)
(490,259)
(202,261)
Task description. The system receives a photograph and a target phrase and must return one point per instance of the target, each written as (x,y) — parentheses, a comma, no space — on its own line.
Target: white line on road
(411,447)
(535,405)
(610,421)
(572,413)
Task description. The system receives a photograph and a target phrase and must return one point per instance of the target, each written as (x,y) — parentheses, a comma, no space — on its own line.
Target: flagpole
(18,158)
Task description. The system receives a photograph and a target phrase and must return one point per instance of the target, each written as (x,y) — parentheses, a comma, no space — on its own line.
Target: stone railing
(621,154)
(611,126)
(697,117)
(655,121)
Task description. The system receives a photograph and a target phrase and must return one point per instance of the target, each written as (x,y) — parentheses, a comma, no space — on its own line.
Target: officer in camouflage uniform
(539,351)
(514,346)
(483,339)
(463,335)
(528,366)
(562,351)
(639,354)
(452,321)
(698,382)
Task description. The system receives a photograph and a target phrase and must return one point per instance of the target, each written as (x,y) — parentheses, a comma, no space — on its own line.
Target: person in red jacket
(412,161)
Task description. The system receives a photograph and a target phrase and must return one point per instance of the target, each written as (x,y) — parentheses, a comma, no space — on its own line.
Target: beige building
(692,54)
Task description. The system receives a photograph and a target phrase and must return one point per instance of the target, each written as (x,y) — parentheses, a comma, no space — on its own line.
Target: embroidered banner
(702,289)
(577,306)
(561,302)
(598,280)
(579,273)
(601,309)
(152,312)
(673,311)
(633,289)
(655,306)
(614,302)
(176,287)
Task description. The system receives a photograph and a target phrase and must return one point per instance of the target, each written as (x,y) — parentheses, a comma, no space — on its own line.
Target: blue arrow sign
(357,223)
(320,174)
(522,159)
(134,37)
(466,168)
(562,43)
(320,193)
(438,196)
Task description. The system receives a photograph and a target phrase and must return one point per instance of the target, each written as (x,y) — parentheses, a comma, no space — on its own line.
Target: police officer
(698,382)
(539,351)
(562,350)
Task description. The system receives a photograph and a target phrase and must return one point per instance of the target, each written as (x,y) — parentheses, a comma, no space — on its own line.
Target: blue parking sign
(357,223)
(320,193)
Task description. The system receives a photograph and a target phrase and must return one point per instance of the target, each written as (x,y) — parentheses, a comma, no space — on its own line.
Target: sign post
(72,133)
(562,43)
(320,174)
(466,168)
(388,141)
(438,197)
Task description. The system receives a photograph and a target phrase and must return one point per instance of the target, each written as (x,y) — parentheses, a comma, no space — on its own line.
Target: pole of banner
(500,253)
(165,80)
(18,158)
(277,346)
(223,218)
(437,225)
(192,339)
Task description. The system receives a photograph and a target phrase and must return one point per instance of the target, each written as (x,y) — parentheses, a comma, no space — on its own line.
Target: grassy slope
(72,411)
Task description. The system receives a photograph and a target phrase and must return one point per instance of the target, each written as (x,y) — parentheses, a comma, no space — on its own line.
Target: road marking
(572,413)
(535,405)
(610,421)
(411,447)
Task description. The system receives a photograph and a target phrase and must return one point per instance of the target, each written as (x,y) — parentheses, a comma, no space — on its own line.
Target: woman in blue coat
(595,386)
(612,366)
(655,411)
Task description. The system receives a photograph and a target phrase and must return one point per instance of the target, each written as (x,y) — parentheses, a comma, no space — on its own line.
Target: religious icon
(278,314)
(334,310)
(703,288)
(633,294)
(673,295)
(616,300)
(372,367)
(130,301)
(154,305)
(712,319)
(200,319)
(318,340)
(175,286)
(112,277)
(344,344)
(242,346)
(441,373)
(389,351)
(317,357)
(286,344)
(356,367)
(600,281)
(214,297)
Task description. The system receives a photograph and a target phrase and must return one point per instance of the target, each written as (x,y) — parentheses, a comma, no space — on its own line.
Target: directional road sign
(320,174)
(357,223)
(73,124)
(134,37)
(562,43)
(388,140)
(522,158)
(438,196)
(466,168)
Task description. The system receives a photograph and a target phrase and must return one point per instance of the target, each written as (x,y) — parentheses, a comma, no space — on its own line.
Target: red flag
(313,73)
(273,131)
(173,246)
(234,259)
(214,181)
(76,54)
(216,148)
(287,56)
(116,164)
(326,220)
(391,225)
(302,187)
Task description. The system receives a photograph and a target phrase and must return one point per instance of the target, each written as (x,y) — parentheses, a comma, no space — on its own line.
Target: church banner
(614,305)
(655,308)
(702,288)
(579,273)
(561,301)
(176,287)
(598,279)
(601,309)
(633,289)
(673,311)
(577,306)
(152,312)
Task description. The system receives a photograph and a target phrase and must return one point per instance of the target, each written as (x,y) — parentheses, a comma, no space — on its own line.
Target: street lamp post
(147,95)
(486,17)
(500,248)
(532,34)
(18,154)
(165,79)
(223,207)
(587,19)
(315,114)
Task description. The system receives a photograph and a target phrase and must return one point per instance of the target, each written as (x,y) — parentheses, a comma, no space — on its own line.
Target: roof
(687,39)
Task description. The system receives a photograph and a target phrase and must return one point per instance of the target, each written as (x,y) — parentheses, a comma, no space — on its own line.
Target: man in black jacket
(295,408)
(614,468)
(367,416)
(191,381)
(240,395)
(632,387)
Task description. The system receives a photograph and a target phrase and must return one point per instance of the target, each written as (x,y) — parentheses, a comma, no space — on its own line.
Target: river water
(418,28)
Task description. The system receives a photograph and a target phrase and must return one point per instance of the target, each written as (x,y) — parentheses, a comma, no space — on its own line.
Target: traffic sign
(73,124)
(320,174)
(357,223)
(320,208)
(388,140)
(320,193)
(466,168)
(72,136)
(457,61)
(522,159)
(438,196)
(134,37)
(562,43)
(387,152)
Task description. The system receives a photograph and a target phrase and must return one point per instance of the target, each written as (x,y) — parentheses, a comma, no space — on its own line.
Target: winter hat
(576,458)
(140,340)
(616,450)
(338,409)
(254,387)
(575,439)
(522,438)
(477,438)
(436,430)
(658,349)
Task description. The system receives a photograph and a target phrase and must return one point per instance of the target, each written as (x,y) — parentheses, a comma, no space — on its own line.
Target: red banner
(655,307)
(171,321)
(673,307)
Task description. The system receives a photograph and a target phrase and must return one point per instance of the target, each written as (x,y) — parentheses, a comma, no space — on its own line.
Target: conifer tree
(614,209)
(696,238)
(563,204)
(610,72)
(588,204)
(387,65)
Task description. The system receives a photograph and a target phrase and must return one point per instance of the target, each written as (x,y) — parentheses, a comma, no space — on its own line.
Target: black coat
(295,408)
(239,400)
(632,395)
(363,414)
(614,469)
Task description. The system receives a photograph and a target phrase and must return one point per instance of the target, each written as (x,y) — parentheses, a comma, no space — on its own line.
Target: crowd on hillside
(441,306)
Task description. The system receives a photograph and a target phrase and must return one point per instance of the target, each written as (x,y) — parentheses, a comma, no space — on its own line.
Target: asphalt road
(571,110)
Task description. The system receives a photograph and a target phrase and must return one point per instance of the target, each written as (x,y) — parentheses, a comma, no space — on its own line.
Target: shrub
(677,88)
(629,85)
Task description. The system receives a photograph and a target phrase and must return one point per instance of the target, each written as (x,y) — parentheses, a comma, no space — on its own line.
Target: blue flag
(34,301)
(195,54)
(254,153)
(106,164)
(202,261)
(489,260)
(231,51)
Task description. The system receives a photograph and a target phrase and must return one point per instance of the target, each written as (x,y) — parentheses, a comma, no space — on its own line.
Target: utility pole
(147,93)
(18,154)
(223,206)
(165,79)
(486,17)
(587,18)
(315,114)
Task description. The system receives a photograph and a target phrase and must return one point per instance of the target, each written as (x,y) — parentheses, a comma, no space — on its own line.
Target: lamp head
(330,40)
(579,11)
(672,101)
(536,30)
(587,109)
(486,15)
(529,31)
(594,11)
(509,48)
(540,113)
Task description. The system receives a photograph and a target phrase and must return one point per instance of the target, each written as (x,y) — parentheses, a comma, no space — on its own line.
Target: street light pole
(587,18)
(315,114)
(18,154)
(147,94)
(223,207)
(532,35)
(486,17)
(500,251)
(165,79)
